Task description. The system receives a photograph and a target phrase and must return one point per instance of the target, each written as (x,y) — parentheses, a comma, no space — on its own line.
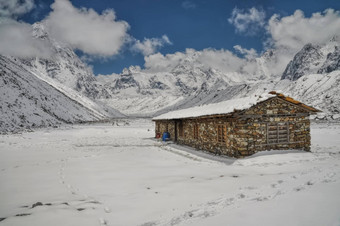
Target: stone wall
(165,126)
(251,134)
(207,135)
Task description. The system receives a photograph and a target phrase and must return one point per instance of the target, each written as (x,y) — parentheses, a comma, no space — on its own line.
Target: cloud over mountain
(223,60)
(293,32)
(16,40)
(149,45)
(287,35)
(86,30)
(16,37)
(95,34)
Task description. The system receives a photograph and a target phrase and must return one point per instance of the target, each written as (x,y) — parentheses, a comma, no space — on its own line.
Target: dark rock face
(154,84)
(37,204)
(125,81)
(304,62)
(311,60)
(332,62)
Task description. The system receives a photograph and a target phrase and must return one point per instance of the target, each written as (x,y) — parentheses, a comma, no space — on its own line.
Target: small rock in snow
(37,204)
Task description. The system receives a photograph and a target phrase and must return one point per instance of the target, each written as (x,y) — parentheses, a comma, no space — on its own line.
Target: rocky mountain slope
(139,91)
(64,66)
(27,101)
(313,59)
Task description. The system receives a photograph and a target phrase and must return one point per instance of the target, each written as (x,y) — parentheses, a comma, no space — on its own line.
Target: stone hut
(241,127)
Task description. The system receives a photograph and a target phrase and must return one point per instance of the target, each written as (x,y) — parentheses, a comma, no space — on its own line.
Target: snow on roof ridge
(223,107)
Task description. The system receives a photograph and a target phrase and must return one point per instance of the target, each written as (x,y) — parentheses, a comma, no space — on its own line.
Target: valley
(101,174)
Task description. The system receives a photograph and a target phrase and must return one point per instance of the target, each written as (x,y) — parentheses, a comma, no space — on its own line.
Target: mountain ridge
(312,76)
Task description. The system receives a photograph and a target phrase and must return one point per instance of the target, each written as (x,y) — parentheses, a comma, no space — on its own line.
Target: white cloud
(222,60)
(248,21)
(163,63)
(289,34)
(16,40)
(98,36)
(293,32)
(86,30)
(150,45)
(14,8)
(247,53)
(188,5)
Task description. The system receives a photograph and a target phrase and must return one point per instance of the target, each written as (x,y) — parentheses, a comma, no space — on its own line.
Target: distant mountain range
(41,92)
(312,76)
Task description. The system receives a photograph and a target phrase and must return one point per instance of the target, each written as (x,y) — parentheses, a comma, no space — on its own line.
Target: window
(195,131)
(221,133)
(277,133)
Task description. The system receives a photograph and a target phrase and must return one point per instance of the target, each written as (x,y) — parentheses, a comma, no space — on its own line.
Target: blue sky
(197,24)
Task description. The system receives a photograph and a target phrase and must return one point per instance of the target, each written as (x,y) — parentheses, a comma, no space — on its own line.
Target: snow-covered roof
(224,107)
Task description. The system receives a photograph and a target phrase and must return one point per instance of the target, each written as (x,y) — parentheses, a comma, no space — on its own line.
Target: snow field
(105,174)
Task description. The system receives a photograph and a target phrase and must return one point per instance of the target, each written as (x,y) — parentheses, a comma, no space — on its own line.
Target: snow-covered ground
(102,174)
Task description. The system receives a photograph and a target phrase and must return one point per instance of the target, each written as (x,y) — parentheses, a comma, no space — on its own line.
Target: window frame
(221,133)
(278,133)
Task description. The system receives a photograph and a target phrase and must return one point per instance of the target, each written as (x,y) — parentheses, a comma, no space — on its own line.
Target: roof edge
(296,102)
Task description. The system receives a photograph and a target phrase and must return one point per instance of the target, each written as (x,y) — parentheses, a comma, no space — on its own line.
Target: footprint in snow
(102,221)
(299,188)
(107,210)
(309,183)
(94,202)
(241,196)
(151,223)
(260,199)
(249,188)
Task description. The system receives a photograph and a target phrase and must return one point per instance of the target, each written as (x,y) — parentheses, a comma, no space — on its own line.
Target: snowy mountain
(64,66)
(27,101)
(319,90)
(63,75)
(312,59)
(312,76)
(139,91)
(332,62)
